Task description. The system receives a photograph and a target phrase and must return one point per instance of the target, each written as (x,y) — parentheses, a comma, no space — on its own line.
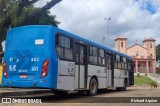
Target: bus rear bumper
(41,83)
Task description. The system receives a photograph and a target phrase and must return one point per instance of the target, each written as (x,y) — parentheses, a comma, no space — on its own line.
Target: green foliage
(158,71)
(45,19)
(142,80)
(14,13)
(158,52)
(17,15)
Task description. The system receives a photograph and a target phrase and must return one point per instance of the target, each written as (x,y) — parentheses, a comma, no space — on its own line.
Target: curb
(17,93)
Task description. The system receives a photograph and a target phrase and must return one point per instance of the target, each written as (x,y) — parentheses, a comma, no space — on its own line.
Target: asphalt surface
(144,94)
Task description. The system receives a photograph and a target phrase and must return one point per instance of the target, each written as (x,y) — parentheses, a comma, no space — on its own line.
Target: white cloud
(41,3)
(86,18)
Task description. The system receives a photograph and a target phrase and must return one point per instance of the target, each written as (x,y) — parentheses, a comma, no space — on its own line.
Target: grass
(142,80)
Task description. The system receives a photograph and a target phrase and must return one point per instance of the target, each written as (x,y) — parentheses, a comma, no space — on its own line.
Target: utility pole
(108,19)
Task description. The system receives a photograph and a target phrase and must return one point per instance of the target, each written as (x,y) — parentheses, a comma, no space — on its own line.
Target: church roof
(136,45)
(122,38)
(149,39)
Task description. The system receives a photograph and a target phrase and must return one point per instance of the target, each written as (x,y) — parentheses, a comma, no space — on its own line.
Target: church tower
(150,45)
(121,44)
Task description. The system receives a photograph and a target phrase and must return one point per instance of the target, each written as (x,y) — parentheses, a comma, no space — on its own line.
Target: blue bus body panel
(26,49)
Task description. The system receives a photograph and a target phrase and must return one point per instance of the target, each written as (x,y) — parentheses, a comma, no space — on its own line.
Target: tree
(15,13)
(158,52)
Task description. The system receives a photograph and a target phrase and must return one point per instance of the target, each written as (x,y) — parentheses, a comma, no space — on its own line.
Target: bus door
(110,69)
(80,72)
(132,73)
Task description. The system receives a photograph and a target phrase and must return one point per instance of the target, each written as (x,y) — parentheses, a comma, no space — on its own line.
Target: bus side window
(60,52)
(77,54)
(118,62)
(64,46)
(101,57)
(108,61)
(81,55)
(90,54)
(95,54)
(68,54)
(119,65)
(125,63)
(129,65)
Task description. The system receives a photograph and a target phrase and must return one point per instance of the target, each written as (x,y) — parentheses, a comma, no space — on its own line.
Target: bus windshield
(25,39)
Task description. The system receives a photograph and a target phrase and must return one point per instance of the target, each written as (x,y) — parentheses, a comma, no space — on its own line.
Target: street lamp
(108,19)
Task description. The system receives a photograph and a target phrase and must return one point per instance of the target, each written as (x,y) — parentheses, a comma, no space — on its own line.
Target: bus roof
(91,42)
(76,37)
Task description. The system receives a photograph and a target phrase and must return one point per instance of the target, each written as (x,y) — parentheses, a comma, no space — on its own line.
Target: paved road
(103,98)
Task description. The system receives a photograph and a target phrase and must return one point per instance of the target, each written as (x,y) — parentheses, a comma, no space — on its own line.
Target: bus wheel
(92,87)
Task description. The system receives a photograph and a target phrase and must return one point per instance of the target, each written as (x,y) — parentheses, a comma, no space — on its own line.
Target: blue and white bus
(43,56)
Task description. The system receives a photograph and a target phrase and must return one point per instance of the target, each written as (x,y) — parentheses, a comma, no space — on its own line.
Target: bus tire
(93,86)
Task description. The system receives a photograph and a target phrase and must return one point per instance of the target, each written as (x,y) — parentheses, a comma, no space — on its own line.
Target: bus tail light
(5,72)
(44,71)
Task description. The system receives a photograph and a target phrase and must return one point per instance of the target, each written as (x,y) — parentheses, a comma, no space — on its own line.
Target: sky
(134,19)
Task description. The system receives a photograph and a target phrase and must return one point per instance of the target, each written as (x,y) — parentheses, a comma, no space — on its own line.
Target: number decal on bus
(34,68)
(34,59)
(12,67)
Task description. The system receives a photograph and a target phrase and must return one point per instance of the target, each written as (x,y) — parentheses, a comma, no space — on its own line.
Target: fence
(144,69)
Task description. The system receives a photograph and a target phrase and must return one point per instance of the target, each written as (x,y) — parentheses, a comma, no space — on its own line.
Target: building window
(150,45)
(137,54)
(121,44)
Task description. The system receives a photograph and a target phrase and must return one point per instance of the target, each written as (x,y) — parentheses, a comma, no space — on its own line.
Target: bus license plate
(23,76)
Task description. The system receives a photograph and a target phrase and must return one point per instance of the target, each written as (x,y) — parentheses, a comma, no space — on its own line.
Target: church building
(144,56)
